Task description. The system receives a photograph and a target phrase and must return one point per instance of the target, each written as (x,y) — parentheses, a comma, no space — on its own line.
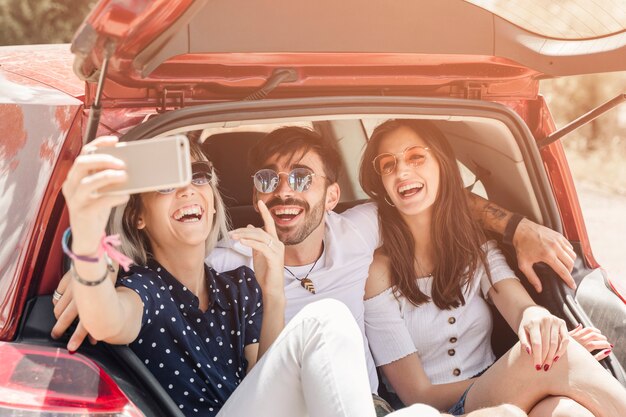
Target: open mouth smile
(188,214)
(410,189)
(286,215)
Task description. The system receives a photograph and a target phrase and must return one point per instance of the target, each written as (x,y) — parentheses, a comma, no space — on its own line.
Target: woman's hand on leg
(543,335)
(592,339)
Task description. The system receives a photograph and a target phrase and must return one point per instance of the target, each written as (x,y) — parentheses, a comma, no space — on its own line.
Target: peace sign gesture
(268,252)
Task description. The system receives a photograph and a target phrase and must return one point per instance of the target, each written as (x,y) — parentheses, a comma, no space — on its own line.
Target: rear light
(48,382)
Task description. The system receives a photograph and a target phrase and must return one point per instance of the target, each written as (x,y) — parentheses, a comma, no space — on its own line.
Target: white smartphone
(151,164)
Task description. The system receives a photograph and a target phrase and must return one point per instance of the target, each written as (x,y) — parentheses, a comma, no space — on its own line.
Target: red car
(229,71)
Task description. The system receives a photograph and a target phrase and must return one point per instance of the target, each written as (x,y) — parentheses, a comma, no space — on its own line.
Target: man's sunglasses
(201,174)
(414,156)
(298,179)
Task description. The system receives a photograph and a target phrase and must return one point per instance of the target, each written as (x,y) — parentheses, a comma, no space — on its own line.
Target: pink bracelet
(107,245)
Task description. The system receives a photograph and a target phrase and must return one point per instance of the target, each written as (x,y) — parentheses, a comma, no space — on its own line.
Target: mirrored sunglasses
(414,156)
(201,174)
(298,179)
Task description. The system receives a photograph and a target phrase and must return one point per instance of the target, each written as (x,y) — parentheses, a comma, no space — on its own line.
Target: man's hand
(533,243)
(65,312)
(536,243)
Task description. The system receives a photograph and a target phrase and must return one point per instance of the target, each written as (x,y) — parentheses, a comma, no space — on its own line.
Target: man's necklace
(305,282)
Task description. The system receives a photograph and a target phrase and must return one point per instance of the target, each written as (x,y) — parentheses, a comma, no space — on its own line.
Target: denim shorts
(458,409)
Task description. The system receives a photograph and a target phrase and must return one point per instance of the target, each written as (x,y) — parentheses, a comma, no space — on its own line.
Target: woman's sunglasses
(385,163)
(298,179)
(201,174)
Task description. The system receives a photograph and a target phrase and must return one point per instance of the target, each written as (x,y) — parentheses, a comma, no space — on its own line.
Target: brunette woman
(427,318)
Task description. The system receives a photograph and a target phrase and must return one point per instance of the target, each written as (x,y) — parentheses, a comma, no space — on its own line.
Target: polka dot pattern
(198,357)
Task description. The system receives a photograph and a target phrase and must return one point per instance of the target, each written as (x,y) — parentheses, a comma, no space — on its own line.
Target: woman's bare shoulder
(379,275)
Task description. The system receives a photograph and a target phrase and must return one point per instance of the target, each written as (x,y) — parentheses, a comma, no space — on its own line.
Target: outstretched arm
(89,211)
(533,242)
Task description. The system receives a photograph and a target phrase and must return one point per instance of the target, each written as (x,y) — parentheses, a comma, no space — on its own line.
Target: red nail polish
(72,352)
(528,349)
(608,351)
(556,358)
(612,346)
(546,367)
(538,367)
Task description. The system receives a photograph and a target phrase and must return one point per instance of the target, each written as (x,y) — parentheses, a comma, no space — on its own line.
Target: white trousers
(316,367)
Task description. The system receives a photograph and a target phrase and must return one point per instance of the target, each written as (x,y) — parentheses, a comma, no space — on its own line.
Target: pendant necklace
(306,282)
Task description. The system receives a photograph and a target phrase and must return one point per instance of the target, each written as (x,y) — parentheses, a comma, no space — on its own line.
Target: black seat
(229,154)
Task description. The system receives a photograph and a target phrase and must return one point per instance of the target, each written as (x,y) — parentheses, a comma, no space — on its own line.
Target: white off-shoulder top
(453,345)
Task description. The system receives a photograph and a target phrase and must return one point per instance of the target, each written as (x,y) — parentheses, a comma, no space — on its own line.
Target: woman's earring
(388,202)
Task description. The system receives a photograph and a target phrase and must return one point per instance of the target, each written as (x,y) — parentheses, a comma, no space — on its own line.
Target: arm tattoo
(494,213)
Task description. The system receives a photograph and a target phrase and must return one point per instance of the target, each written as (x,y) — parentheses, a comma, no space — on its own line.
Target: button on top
(453,340)
(451,352)
(451,320)
(456,372)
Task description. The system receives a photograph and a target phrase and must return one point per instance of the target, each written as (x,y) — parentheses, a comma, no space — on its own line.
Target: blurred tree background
(25,22)
(597,151)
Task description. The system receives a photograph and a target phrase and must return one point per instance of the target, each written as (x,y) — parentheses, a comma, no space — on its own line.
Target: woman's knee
(559,407)
(509,410)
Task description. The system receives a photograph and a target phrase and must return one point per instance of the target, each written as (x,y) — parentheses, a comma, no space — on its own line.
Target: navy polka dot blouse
(198,357)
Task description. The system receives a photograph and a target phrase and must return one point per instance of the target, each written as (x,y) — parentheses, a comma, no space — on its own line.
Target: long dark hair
(456,237)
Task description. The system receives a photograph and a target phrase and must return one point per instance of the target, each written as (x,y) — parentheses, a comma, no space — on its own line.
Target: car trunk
(196,51)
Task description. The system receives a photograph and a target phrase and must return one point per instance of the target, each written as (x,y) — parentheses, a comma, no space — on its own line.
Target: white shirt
(350,239)
(453,345)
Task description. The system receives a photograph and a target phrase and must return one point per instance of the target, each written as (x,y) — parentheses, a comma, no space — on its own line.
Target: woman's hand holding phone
(89,209)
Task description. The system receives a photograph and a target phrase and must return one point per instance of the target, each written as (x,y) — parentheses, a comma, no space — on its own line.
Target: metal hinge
(474,91)
(164,101)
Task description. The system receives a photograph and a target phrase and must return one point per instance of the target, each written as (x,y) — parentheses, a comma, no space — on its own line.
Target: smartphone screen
(152,164)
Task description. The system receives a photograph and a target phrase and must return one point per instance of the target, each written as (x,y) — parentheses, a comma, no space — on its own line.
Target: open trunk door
(226,49)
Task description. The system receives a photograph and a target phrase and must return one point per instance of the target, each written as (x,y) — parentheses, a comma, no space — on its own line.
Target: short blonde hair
(135,243)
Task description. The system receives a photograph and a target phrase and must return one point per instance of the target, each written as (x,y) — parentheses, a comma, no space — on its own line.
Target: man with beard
(327,254)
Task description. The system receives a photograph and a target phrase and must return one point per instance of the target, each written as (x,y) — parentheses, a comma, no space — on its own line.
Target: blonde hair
(135,243)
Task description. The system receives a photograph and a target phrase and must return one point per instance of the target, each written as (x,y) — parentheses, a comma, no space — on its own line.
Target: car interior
(496,153)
